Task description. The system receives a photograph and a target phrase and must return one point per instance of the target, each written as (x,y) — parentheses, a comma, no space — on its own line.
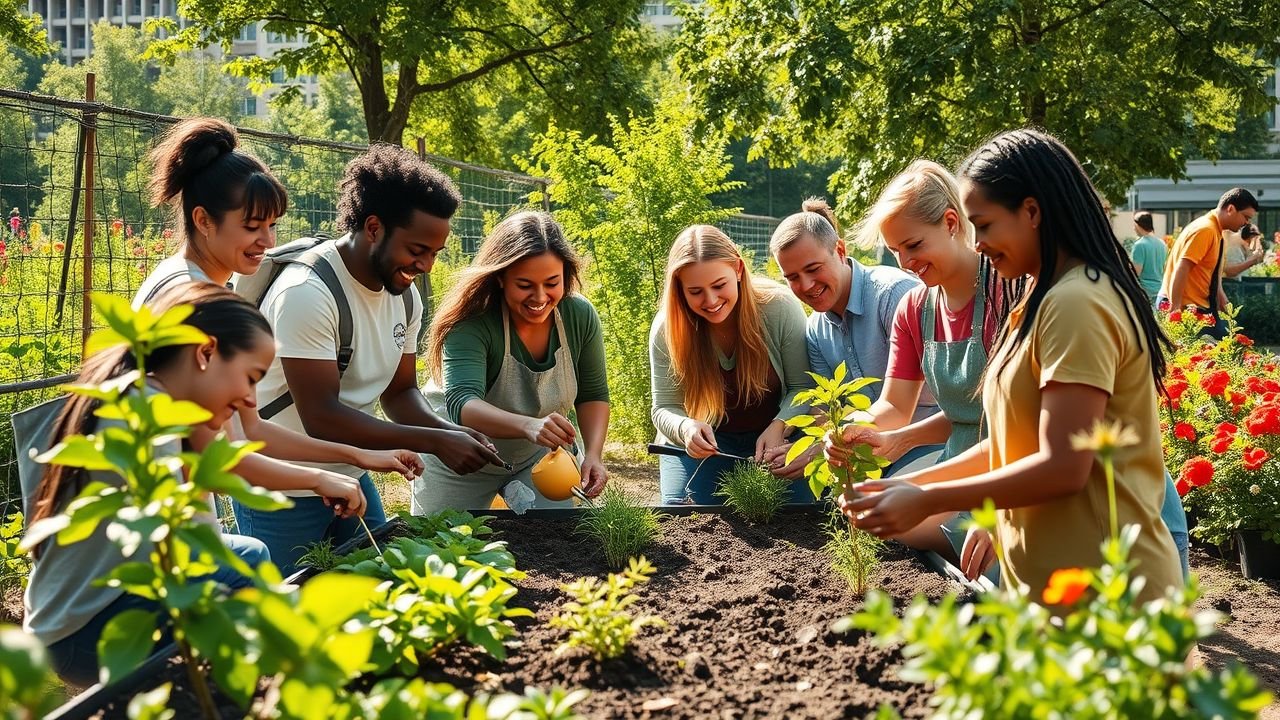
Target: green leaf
(151,705)
(330,599)
(76,451)
(126,641)
(86,513)
(801,421)
(168,413)
(799,447)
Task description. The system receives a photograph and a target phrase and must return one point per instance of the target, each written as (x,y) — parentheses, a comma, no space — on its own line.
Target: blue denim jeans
(75,657)
(685,480)
(287,533)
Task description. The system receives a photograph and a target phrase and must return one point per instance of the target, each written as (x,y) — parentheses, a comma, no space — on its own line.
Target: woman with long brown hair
(727,356)
(513,350)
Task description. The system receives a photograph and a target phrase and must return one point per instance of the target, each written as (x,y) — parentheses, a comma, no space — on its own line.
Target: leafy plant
(1108,655)
(854,556)
(837,399)
(157,502)
(400,699)
(621,527)
(24,676)
(597,617)
(753,492)
(15,564)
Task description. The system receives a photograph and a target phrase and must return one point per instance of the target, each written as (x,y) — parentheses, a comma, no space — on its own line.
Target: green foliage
(21,29)
(597,617)
(854,555)
(753,492)
(625,205)
(400,699)
(320,556)
(620,526)
(15,564)
(836,399)
(24,676)
(877,83)
(397,53)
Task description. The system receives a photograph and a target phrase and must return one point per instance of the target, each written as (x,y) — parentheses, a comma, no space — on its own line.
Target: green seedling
(753,492)
(597,616)
(621,527)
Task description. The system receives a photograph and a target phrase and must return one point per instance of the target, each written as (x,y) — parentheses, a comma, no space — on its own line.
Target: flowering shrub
(1222,428)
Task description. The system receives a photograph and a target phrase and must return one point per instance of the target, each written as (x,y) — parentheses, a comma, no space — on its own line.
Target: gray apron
(952,370)
(518,390)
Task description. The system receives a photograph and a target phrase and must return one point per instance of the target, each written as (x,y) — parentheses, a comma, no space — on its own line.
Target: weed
(753,492)
(597,616)
(621,527)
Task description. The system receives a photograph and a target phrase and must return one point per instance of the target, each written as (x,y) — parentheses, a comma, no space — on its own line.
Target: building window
(277,75)
(250,106)
(59,9)
(135,7)
(155,8)
(78,10)
(117,8)
(78,38)
(248,33)
(276,38)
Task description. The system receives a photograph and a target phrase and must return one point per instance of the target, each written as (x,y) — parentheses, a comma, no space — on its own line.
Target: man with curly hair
(395,210)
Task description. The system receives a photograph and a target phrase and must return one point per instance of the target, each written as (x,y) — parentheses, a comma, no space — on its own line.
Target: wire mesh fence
(62,161)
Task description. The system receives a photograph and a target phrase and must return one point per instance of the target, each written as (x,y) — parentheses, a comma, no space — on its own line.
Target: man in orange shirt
(1193,273)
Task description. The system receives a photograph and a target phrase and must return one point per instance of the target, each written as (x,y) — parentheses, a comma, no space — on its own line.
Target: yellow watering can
(556,475)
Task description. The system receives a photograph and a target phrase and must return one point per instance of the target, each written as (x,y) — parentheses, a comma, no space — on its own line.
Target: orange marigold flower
(1254,458)
(1066,586)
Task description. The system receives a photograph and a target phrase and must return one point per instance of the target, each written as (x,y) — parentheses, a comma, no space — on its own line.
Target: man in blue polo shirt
(853,306)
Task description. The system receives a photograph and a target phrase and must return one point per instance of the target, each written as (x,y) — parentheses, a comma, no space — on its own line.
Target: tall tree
(22,30)
(1127,84)
(398,51)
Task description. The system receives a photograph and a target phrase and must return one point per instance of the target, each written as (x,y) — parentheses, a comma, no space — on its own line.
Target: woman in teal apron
(941,338)
(514,352)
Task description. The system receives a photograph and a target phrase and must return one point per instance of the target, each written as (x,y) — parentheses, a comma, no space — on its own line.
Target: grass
(620,526)
(854,554)
(319,555)
(753,492)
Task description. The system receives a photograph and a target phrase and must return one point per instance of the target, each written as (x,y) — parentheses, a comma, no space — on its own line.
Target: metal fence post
(90,126)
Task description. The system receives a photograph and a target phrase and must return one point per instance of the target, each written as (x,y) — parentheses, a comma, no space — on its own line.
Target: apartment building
(69,24)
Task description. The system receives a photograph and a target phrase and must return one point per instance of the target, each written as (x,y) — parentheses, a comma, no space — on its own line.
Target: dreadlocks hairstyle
(1028,163)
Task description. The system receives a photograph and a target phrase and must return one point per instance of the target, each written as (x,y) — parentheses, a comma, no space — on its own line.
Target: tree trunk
(1035,105)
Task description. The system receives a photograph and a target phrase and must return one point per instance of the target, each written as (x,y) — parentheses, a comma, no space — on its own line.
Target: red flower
(1237,400)
(1175,316)
(1226,428)
(167,233)
(59,246)
(1269,367)
(1196,472)
(1221,443)
(1184,431)
(1182,486)
(1215,383)
(1254,458)
(1263,420)
(1243,340)
(117,226)
(1175,389)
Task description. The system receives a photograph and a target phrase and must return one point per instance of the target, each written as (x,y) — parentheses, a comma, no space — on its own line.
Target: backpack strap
(346,327)
(155,289)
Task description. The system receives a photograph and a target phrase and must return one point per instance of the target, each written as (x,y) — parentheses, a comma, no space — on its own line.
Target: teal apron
(953,370)
(518,390)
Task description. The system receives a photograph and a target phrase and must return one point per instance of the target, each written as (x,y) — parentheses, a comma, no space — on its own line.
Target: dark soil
(749,611)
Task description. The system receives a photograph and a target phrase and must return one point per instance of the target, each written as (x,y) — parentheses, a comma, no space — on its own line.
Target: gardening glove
(518,496)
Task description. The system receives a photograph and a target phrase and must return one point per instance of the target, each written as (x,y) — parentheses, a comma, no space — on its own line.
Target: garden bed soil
(749,611)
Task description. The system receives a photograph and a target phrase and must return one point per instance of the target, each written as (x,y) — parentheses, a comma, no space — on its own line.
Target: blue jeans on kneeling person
(287,533)
(684,480)
(75,657)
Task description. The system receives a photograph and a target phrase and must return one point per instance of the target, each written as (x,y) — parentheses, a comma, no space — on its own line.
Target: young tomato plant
(597,616)
(836,399)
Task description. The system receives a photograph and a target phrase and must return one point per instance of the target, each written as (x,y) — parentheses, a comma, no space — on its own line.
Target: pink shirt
(906,344)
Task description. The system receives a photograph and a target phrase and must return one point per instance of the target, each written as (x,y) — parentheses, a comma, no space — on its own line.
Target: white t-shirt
(304,316)
(174,265)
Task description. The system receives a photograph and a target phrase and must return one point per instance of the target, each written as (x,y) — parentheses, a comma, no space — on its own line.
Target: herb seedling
(854,555)
(620,526)
(597,617)
(753,492)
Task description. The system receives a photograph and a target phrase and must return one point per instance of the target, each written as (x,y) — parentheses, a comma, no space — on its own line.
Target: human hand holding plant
(551,432)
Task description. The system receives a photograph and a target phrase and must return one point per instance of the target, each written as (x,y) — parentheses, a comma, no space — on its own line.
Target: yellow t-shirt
(1081,335)
(1200,241)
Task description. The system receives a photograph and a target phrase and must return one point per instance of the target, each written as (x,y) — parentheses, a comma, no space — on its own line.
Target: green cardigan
(784,334)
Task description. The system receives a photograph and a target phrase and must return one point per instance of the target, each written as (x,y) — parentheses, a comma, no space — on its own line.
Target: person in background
(1244,250)
(1193,274)
(1148,255)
